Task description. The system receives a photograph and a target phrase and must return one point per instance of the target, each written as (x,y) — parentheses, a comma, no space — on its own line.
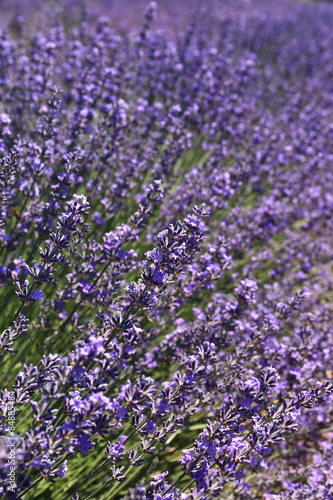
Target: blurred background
(38,14)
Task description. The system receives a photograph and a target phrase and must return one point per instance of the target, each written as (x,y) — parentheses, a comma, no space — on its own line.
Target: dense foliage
(166,248)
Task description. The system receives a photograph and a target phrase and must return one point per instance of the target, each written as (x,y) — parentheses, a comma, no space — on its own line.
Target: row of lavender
(166,247)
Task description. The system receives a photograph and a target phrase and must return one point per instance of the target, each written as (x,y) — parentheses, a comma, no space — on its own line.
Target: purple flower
(37,295)
(63,470)
(246,291)
(84,444)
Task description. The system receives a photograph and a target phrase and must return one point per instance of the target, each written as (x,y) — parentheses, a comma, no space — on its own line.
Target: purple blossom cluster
(165,258)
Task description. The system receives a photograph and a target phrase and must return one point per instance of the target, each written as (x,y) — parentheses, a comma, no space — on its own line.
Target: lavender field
(166,244)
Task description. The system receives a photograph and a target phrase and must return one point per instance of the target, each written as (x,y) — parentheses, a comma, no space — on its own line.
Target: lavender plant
(165,246)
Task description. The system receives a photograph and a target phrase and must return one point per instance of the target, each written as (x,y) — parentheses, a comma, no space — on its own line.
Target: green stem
(74,489)
(101,488)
